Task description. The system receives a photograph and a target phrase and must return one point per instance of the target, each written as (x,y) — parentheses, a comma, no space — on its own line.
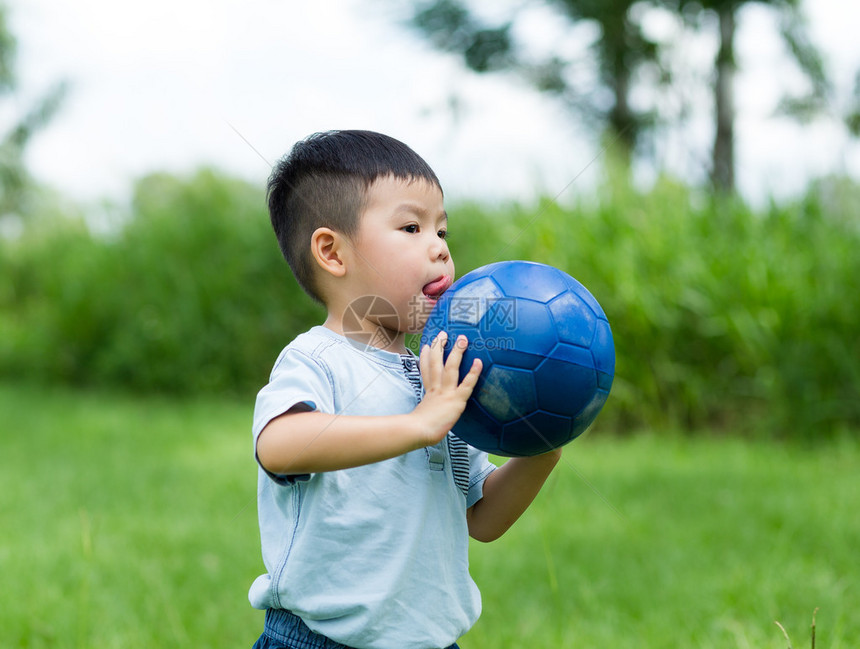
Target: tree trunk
(622,121)
(723,170)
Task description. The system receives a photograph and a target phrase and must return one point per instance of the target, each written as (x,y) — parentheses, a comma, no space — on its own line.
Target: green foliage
(453,29)
(722,316)
(191,294)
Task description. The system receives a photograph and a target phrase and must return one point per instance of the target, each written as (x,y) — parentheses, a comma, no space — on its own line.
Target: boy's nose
(439,250)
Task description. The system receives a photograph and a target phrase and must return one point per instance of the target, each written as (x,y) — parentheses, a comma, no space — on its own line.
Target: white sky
(161,84)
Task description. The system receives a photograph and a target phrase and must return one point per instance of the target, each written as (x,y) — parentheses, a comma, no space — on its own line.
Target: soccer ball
(547,352)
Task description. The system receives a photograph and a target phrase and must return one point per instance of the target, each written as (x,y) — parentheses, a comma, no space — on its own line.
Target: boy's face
(400,253)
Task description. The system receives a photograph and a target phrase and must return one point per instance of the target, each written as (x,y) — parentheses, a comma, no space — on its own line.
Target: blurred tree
(852,117)
(624,55)
(15,182)
(620,51)
(795,35)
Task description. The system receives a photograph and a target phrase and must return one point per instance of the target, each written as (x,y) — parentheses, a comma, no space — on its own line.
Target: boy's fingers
(455,360)
(456,355)
(436,362)
(471,379)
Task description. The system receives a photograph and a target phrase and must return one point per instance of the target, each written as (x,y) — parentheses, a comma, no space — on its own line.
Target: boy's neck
(372,336)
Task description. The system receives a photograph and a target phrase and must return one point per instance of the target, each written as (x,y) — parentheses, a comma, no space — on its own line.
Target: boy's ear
(327,247)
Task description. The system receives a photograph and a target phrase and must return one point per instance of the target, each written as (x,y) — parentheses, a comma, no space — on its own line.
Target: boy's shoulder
(314,345)
(329,354)
(323,344)
(314,340)
(327,348)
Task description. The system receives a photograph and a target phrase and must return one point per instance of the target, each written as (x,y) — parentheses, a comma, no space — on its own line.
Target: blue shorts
(283,630)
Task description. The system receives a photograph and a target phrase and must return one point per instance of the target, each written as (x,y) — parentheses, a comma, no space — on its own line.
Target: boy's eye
(411,229)
(442,234)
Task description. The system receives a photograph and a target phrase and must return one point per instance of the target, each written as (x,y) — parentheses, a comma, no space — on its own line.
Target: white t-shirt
(374,557)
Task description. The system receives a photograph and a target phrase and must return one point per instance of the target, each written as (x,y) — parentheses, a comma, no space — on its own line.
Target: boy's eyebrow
(419,210)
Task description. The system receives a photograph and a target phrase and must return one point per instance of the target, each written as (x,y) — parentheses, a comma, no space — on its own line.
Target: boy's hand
(444,399)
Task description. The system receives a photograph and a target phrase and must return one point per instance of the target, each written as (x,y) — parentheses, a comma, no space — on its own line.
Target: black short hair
(323,182)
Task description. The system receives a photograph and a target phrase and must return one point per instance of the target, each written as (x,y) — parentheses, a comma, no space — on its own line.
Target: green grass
(126,523)
(132,523)
(680,542)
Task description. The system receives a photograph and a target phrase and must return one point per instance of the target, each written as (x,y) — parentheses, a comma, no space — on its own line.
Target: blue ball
(547,352)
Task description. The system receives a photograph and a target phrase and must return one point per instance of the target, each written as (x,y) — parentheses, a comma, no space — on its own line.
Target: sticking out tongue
(437,286)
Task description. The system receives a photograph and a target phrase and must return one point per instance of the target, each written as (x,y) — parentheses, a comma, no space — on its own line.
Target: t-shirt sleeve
(296,379)
(479,468)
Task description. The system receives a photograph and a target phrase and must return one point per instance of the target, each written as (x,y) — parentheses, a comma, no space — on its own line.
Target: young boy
(366,502)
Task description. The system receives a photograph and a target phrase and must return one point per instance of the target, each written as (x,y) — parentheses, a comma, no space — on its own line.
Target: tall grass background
(724,316)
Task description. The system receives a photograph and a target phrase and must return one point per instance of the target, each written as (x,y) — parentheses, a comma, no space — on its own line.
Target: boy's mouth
(433,290)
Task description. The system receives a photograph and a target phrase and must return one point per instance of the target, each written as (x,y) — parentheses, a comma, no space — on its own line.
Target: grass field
(132,523)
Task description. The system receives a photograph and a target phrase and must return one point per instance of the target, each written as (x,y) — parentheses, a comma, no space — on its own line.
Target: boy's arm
(507,493)
(311,442)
